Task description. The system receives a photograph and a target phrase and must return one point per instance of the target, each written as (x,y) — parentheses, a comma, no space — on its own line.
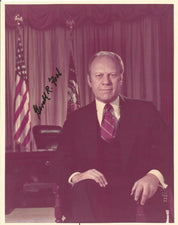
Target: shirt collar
(100,106)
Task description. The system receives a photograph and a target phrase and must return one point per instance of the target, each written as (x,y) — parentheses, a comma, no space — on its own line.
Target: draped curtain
(141,34)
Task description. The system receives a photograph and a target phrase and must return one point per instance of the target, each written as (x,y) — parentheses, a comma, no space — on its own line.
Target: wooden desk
(30,178)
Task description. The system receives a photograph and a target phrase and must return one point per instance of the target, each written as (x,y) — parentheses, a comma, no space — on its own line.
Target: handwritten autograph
(48,90)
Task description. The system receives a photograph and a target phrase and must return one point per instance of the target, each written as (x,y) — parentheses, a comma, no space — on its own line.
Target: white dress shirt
(115,104)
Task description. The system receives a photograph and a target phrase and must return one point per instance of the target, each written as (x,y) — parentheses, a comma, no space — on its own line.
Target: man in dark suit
(114,152)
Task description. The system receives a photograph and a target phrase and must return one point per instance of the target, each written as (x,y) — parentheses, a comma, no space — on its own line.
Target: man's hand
(145,188)
(92,174)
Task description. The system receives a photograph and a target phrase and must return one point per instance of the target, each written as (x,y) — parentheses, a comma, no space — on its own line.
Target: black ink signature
(45,94)
(53,79)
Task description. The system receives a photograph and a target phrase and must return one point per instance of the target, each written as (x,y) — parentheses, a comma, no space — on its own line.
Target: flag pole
(70,24)
(19,21)
(72,90)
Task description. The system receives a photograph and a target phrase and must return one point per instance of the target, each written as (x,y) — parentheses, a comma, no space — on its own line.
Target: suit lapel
(90,128)
(126,131)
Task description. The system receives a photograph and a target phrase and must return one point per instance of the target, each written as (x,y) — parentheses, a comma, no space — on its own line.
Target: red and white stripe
(22,116)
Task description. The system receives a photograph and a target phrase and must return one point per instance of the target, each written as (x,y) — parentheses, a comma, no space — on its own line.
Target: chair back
(47,136)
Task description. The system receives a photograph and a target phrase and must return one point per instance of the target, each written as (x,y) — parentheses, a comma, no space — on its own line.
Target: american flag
(72,91)
(22,116)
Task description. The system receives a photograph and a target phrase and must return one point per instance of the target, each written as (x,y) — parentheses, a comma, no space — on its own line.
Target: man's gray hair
(112,55)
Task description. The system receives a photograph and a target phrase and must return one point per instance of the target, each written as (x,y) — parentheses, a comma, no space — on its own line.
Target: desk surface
(31,215)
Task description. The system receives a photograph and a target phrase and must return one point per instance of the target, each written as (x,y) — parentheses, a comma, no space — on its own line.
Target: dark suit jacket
(145,141)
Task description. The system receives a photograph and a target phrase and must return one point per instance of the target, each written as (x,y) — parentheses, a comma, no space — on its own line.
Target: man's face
(105,79)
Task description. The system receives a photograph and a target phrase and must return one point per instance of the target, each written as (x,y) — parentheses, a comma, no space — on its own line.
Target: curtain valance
(44,16)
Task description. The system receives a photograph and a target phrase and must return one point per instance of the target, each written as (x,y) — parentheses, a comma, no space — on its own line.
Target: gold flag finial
(18,18)
(70,23)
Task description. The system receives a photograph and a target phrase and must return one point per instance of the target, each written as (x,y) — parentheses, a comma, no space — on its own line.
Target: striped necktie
(108,124)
